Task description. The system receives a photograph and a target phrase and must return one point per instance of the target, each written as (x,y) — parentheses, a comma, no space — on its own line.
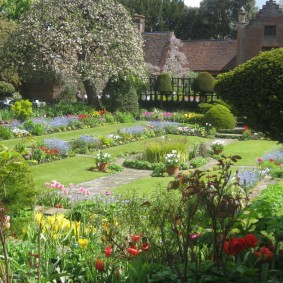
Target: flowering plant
(172,159)
(217,145)
(102,157)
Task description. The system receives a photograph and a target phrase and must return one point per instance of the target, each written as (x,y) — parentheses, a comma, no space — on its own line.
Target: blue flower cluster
(249,177)
(135,130)
(164,125)
(276,155)
(62,146)
(56,122)
(90,140)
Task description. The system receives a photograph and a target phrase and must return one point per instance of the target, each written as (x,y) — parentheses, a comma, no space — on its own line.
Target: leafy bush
(22,109)
(5,133)
(34,128)
(204,107)
(220,117)
(203,83)
(164,83)
(254,89)
(124,117)
(16,182)
(141,164)
(197,162)
(277,172)
(6,88)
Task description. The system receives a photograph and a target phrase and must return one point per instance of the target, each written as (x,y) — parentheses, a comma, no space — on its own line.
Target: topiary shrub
(203,83)
(22,109)
(16,182)
(164,83)
(220,117)
(121,95)
(6,88)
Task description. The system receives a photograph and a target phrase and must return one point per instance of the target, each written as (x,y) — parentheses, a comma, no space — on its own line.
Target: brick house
(264,32)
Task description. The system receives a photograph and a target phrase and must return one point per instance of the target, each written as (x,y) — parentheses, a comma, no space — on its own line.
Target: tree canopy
(91,40)
(254,89)
(13,9)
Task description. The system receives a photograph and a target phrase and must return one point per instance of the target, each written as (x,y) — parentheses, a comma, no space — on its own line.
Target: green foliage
(121,95)
(22,109)
(197,162)
(164,83)
(220,117)
(204,107)
(115,168)
(141,164)
(203,83)
(15,8)
(34,129)
(124,117)
(5,133)
(6,88)
(277,172)
(254,90)
(156,151)
(16,181)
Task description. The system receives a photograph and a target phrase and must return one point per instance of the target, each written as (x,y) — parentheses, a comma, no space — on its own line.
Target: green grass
(69,170)
(144,186)
(250,150)
(69,135)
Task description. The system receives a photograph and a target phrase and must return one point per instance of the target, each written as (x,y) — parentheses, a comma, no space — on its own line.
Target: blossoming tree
(91,40)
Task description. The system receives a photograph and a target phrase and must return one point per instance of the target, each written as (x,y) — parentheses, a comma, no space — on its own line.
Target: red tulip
(108,251)
(145,246)
(99,265)
(134,252)
(136,238)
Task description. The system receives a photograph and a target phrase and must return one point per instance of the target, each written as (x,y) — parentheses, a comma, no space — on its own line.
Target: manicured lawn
(145,186)
(69,170)
(250,150)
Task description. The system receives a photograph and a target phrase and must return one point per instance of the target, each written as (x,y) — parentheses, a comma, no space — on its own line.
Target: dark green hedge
(255,90)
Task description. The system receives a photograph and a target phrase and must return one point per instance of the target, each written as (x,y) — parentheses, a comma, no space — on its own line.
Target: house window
(270,30)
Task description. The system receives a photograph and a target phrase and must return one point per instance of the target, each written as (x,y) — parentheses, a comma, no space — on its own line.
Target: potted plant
(172,161)
(102,160)
(217,146)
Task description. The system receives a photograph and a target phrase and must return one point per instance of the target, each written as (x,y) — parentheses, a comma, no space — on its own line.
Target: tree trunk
(92,97)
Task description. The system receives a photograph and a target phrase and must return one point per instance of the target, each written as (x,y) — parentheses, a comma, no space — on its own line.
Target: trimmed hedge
(254,89)
(164,83)
(203,83)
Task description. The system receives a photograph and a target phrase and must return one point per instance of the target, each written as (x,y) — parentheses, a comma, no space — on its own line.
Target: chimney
(241,36)
(140,22)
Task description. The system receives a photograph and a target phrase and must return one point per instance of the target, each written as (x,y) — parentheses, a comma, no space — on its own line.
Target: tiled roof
(210,55)
(156,46)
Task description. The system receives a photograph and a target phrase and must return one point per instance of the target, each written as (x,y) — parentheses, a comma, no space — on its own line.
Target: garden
(181,223)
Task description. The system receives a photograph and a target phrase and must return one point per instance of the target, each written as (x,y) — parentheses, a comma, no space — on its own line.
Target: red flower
(134,252)
(264,254)
(136,238)
(271,160)
(250,241)
(99,265)
(145,246)
(58,205)
(108,251)
(246,127)
(234,246)
(259,160)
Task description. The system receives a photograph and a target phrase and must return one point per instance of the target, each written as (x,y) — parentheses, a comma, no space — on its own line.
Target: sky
(195,3)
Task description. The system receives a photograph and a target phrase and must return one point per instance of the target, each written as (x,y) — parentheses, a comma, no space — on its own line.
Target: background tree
(13,9)
(160,15)
(215,19)
(91,40)
(254,89)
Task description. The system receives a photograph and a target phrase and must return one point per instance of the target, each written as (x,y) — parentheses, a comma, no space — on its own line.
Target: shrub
(124,117)
(22,109)
(254,89)
(220,117)
(5,133)
(16,182)
(203,83)
(197,162)
(204,107)
(34,128)
(164,83)
(277,172)
(6,88)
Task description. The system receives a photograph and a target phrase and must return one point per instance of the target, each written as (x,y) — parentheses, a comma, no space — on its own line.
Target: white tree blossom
(91,40)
